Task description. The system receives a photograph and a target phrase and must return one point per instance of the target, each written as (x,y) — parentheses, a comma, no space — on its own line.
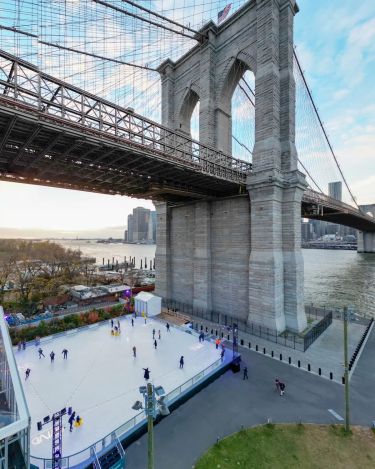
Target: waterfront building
(141,226)
(14,414)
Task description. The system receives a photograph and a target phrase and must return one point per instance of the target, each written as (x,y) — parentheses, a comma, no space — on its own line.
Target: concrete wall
(366,241)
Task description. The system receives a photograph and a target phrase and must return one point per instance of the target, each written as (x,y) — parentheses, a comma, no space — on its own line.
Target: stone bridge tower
(259,237)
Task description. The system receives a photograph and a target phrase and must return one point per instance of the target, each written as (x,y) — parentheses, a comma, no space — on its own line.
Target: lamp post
(149,393)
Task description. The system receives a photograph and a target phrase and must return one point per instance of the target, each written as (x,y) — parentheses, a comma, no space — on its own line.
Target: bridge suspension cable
(141,18)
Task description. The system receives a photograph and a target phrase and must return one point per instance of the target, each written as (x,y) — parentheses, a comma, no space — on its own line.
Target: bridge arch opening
(189,114)
(237,112)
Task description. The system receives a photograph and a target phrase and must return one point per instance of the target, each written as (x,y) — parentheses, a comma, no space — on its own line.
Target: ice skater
(134,351)
(155,344)
(146,374)
(41,354)
(182,361)
(71,421)
(245,373)
(159,334)
(222,354)
(153,333)
(217,343)
(111,323)
(277,383)
(282,388)
(65,354)
(24,345)
(78,421)
(27,373)
(52,356)
(118,324)
(167,326)
(19,346)
(132,322)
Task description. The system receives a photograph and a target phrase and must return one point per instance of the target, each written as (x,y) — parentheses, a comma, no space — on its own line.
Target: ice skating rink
(100,378)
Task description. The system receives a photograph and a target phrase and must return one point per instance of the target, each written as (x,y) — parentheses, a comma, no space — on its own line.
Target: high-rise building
(141,226)
(335,190)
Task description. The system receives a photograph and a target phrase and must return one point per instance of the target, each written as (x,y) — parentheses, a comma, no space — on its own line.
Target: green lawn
(293,446)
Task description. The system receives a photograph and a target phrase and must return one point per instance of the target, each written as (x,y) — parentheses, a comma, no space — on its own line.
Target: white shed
(147,303)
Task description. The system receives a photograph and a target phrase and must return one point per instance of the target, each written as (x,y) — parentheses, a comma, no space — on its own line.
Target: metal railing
(23,84)
(225,321)
(94,451)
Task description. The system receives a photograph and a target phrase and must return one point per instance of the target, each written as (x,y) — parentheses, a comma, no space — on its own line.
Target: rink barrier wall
(132,429)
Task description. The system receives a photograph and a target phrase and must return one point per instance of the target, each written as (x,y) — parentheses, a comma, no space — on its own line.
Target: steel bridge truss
(24,89)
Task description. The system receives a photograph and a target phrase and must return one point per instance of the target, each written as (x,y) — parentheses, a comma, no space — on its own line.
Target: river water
(332,278)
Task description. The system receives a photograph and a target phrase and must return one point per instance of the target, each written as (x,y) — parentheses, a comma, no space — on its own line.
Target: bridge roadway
(54,134)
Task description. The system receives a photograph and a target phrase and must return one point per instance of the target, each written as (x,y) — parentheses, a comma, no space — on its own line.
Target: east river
(333,278)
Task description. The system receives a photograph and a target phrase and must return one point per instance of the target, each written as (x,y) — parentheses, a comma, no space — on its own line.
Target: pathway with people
(231,402)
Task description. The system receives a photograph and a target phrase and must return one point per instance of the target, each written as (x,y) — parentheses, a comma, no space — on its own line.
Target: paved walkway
(222,407)
(326,353)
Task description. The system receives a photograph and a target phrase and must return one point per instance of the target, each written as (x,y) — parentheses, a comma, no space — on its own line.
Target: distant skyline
(336,45)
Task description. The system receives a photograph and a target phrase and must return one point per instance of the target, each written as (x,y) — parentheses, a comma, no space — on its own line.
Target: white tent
(147,304)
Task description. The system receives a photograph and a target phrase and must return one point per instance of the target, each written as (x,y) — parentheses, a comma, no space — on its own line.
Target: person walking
(27,373)
(282,388)
(71,421)
(153,333)
(277,383)
(65,354)
(134,351)
(159,334)
(155,344)
(182,361)
(146,374)
(52,355)
(167,326)
(41,354)
(245,376)
(132,322)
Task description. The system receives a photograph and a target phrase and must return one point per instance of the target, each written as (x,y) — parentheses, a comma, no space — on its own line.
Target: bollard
(264,351)
(289,360)
(272,353)
(256,347)
(215,331)
(330,375)
(212,331)
(281,357)
(299,363)
(320,371)
(343,380)
(228,337)
(206,329)
(249,344)
(222,334)
(241,341)
(309,367)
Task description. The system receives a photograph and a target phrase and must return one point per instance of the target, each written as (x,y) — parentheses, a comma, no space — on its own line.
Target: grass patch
(293,446)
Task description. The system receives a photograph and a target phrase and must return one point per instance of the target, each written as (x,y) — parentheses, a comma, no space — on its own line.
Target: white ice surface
(100,379)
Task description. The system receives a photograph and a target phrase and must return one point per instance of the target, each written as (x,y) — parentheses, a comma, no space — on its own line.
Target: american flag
(223,13)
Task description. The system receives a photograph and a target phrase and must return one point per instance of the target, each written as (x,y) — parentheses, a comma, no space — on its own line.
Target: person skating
(245,373)
(111,323)
(71,421)
(19,346)
(118,324)
(217,343)
(134,351)
(155,344)
(282,388)
(24,345)
(222,354)
(159,334)
(153,333)
(182,361)
(65,354)
(146,374)
(41,354)
(27,373)
(167,326)
(132,322)
(52,355)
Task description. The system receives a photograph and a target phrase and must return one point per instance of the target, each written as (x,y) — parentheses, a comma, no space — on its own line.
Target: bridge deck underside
(51,152)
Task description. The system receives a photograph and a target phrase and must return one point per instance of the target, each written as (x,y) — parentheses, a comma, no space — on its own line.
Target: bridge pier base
(366,242)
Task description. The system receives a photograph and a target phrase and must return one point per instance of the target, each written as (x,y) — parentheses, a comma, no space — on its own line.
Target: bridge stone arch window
(189,119)
(236,111)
